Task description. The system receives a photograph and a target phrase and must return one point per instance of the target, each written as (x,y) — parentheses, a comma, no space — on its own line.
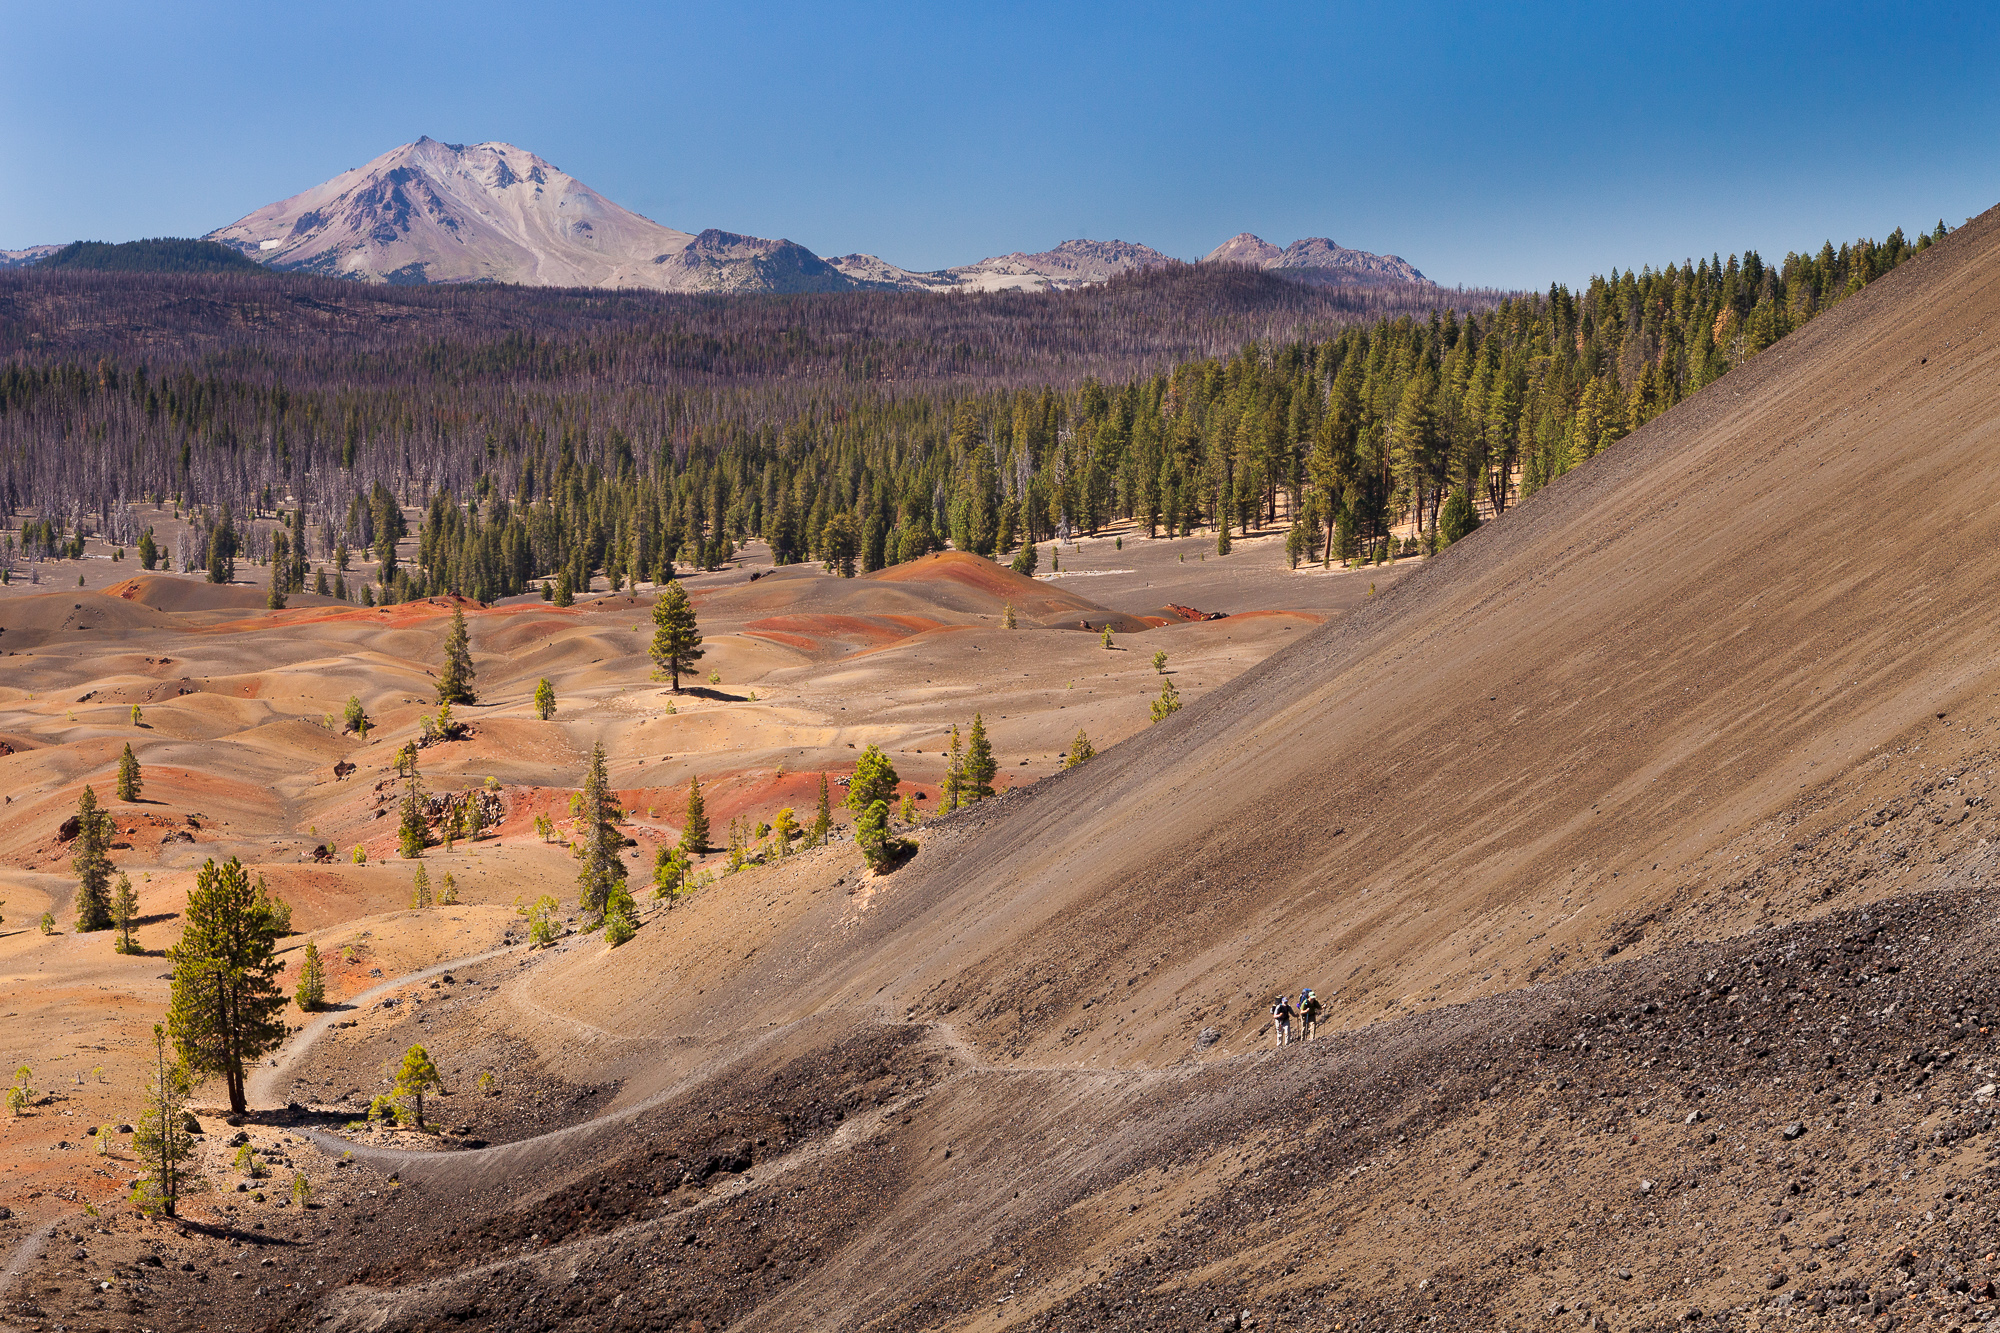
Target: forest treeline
(570,454)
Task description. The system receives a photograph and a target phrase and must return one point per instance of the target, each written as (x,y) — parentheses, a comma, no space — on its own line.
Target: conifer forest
(552,436)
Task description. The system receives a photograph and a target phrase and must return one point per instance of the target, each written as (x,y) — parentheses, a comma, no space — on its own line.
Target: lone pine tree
(93,870)
(1081,751)
(953,794)
(161,1140)
(545,699)
(603,868)
(414,830)
(676,642)
(226,1007)
(455,680)
(822,825)
(311,992)
(128,775)
(694,824)
(124,911)
(417,1077)
(980,768)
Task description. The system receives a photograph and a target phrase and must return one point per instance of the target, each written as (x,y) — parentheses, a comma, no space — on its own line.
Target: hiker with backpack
(1309,1012)
(1281,1017)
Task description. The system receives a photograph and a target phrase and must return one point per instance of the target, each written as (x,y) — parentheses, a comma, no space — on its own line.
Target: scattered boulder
(68,830)
(341,769)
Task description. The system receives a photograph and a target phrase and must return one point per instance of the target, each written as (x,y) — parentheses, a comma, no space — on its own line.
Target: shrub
(542,925)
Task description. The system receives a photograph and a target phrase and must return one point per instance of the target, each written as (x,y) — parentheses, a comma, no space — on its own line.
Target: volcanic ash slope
(1639,845)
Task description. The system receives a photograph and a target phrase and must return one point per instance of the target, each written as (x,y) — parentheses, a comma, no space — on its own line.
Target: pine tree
(603,867)
(1107,634)
(1007,616)
(694,825)
(545,699)
(274,599)
(980,768)
(564,595)
(414,830)
(417,1077)
(124,911)
(954,776)
(455,680)
(908,811)
(676,643)
(874,780)
(93,870)
(420,889)
(1458,518)
(128,775)
(1168,703)
(225,1009)
(149,550)
(871,831)
(670,866)
(822,825)
(311,993)
(161,1139)
(1081,751)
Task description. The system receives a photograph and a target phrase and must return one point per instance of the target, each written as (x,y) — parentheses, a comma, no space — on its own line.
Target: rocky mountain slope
(1315,259)
(491,212)
(1078,263)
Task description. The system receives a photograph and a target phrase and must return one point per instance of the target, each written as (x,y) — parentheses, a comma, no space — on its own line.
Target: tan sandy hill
(1639,854)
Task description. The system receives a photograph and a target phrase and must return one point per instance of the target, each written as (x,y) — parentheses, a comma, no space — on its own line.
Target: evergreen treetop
(874,780)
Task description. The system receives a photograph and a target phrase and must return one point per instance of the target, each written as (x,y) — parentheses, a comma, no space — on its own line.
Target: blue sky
(1507,145)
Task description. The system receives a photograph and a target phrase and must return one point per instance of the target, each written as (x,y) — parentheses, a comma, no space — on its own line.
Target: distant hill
(34,254)
(165,254)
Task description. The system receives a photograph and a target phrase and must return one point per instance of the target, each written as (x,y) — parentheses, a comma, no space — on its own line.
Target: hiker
(1309,1010)
(1281,1015)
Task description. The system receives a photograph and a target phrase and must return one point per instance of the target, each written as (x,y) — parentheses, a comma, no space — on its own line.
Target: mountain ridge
(435,212)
